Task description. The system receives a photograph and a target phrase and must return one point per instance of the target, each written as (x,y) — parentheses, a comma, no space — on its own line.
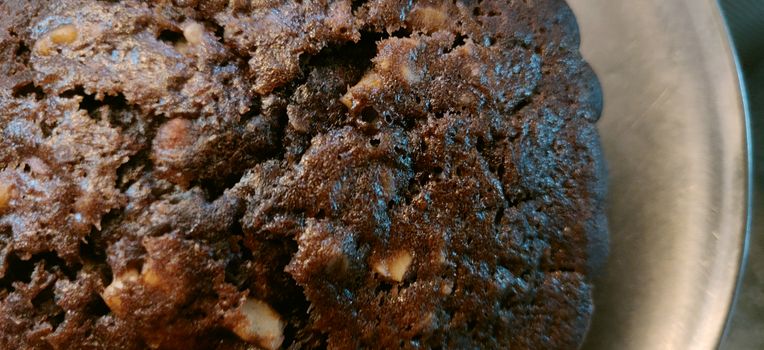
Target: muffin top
(297,174)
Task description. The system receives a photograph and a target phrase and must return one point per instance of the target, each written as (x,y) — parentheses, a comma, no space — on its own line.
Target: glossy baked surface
(301,174)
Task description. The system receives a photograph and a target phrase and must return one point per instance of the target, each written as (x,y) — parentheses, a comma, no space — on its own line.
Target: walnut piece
(6,193)
(371,81)
(65,34)
(395,266)
(150,277)
(111,294)
(259,324)
(429,18)
(194,33)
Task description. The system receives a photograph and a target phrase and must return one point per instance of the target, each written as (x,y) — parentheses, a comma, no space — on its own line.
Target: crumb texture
(186,174)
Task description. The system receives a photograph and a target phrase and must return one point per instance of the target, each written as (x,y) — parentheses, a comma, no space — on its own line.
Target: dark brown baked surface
(235,174)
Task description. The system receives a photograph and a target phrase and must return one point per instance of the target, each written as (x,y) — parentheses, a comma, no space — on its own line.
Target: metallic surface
(673,132)
(745,19)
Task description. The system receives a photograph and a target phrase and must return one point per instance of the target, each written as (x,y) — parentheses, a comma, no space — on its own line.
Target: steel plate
(673,132)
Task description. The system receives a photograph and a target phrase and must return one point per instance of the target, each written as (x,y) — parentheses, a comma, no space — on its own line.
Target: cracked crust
(297,174)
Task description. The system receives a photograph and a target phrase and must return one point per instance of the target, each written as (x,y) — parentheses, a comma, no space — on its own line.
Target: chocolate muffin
(233,174)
